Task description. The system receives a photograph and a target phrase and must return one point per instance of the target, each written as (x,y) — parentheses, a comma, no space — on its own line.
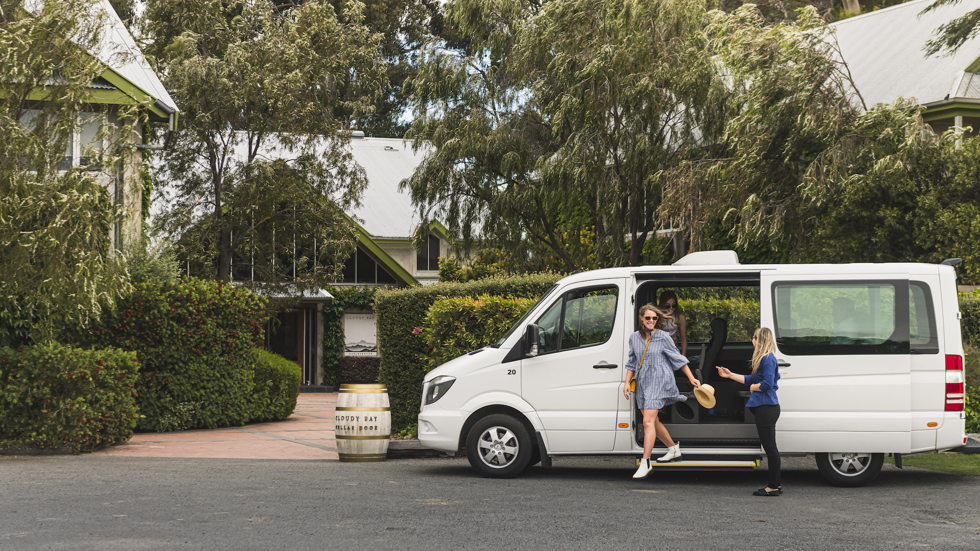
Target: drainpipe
(171,123)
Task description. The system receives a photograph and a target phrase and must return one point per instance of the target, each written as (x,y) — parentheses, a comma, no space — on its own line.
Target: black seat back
(719,334)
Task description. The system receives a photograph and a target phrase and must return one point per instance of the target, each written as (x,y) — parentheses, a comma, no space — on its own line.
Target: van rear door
(843,347)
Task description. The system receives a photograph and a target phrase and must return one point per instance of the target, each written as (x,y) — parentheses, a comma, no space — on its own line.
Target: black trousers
(765,423)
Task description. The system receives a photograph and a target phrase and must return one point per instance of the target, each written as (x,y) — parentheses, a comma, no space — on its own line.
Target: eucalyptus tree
(261,160)
(552,123)
(55,248)
(789,101)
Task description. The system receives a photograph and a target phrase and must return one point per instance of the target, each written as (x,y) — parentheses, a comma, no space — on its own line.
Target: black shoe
(764,493)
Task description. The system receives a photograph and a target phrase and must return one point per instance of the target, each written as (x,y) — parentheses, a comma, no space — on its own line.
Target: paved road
(106,503)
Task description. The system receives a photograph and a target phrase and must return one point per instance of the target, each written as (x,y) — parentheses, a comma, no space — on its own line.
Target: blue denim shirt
(767,376)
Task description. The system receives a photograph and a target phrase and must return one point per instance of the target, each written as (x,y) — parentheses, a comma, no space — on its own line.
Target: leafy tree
(552,124)
(261,162)
(58,268)
(952,35)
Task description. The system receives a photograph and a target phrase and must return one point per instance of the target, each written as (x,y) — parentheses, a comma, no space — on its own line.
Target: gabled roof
(126,68)
(387,212)
(884,52)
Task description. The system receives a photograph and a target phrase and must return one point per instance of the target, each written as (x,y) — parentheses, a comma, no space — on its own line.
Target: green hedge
(742,317)
(194,341)
(455,326)
(404,354)
(277,383)
(359,370)
(970,324)
(54,396)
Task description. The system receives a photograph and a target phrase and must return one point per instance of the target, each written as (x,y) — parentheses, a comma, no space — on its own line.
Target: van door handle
(605,366)
(782,363)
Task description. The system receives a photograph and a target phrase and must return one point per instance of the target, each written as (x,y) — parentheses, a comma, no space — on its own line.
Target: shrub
(54,396)
(973,409)
(404,354)
(194,342)
(455,326)
(277,383)
(742,317)
(970,324)
(359,370)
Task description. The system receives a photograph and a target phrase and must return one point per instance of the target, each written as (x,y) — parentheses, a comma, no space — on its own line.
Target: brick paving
(306,434)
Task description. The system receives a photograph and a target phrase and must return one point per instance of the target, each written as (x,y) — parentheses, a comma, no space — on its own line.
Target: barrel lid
(362,387)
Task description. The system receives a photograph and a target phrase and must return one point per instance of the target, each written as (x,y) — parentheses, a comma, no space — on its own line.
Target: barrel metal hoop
(364,409)
(371,437)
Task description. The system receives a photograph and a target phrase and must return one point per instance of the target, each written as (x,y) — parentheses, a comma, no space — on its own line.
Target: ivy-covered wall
(333,327)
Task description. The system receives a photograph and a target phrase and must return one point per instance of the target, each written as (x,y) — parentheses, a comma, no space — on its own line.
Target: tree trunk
(852,6)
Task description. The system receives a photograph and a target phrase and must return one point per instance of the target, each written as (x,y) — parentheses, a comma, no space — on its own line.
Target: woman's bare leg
(663,434)
(649,431)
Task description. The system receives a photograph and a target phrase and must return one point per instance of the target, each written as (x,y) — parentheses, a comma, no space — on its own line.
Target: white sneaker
(644,469)
(673,454)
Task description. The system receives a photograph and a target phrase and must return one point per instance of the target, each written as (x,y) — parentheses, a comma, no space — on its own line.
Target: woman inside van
(676,324)
(763,402)
(652,362)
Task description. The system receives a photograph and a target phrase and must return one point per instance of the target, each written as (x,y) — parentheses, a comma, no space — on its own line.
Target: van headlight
(437,387)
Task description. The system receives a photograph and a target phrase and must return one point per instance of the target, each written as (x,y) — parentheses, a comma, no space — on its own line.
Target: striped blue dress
(655,386)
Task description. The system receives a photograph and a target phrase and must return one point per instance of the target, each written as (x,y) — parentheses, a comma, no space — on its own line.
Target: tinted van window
(865,317)
(922,320)
(582,317)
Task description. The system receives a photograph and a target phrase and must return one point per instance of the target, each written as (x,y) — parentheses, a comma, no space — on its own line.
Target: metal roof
(387,212)
(120,53)
(884,51)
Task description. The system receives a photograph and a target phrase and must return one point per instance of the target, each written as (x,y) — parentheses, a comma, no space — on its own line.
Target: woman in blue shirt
(763,382)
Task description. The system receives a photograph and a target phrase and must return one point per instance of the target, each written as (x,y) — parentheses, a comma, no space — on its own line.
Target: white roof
(884,52)
(119,51)
(386,211)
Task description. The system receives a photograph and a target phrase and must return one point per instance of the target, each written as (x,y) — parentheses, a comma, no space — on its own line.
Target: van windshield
(524,317)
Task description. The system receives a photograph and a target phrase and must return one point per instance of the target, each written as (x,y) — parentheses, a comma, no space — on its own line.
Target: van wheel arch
(495,409)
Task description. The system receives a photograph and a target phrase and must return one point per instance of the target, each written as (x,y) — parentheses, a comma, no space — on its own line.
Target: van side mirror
(530,341)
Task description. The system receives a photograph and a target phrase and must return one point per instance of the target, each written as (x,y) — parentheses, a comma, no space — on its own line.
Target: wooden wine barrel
(362,422)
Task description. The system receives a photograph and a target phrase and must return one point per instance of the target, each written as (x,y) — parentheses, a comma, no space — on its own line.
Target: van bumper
(952,432)
(439,429)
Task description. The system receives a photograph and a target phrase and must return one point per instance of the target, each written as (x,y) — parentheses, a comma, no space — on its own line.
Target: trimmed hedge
(194,341)
(276,388)
(404,354)
(455,326)
(742,316)
(359,370)
(55,396)
(970,324)
(333,331)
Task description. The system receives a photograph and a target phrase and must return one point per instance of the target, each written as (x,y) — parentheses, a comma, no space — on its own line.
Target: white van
(888,380)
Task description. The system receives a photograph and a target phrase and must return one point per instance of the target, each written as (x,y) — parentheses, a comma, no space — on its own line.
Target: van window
(583,317)
(922,320)
(840,318)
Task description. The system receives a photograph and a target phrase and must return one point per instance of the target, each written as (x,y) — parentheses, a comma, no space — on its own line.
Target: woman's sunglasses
(650,317)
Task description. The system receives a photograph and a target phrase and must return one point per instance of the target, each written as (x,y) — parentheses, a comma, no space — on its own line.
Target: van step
(705,464)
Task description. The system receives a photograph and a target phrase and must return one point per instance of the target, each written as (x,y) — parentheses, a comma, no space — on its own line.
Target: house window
(428,258)
(361,268)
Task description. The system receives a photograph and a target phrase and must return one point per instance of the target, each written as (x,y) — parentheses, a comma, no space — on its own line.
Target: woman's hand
(626,390)
(724,372)
(695,382)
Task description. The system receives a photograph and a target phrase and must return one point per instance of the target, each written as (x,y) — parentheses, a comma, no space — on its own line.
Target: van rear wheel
(850,469)
(499,446)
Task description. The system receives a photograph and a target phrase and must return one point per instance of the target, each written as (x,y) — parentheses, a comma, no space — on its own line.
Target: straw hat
(705,395)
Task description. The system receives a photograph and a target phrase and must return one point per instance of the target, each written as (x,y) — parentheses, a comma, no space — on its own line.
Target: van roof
(704,263)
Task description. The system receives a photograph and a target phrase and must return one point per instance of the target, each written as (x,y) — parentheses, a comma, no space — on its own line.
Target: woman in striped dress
(652,362)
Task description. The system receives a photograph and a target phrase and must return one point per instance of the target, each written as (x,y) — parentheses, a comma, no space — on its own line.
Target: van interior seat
(719,334)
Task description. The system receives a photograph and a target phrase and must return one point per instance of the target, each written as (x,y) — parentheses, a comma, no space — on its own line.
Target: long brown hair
(661,318)
(764,345)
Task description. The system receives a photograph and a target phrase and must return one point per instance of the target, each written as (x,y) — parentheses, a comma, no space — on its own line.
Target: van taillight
(955,391)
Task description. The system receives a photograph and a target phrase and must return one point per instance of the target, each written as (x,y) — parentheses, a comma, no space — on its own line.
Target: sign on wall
(360,335)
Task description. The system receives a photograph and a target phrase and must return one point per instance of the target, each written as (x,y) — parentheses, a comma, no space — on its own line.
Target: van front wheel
(850,469)
(499,446)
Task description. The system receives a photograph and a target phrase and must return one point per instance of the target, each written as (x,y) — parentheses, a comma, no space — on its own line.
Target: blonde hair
(661,318)
(764,345)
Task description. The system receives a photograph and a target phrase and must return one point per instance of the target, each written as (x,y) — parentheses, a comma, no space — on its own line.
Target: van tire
(499,446)
(850,469)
